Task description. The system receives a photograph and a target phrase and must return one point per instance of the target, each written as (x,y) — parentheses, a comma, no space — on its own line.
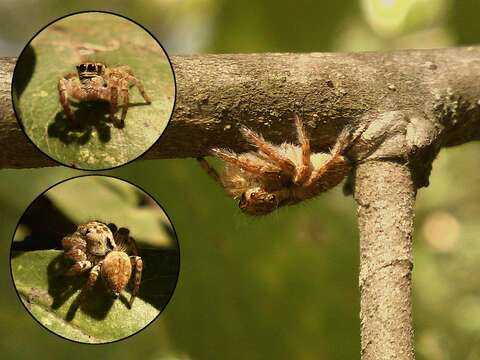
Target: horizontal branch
(216,93)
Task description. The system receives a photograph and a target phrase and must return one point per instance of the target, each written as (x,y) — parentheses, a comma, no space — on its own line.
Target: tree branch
(215,93)
(385,194)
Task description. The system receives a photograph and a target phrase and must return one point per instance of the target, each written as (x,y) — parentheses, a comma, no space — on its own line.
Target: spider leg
(269,150)
(124,93)
(210,170)
(134,81)
(125,242)
(133,245)
(348,137)
(79,267)
(121,236)
(76,254)
(305,169)
(92,279)
(113,228)
(329,175)
(63,94)
(113,103)
(337,167)
(137,265)
(261,169)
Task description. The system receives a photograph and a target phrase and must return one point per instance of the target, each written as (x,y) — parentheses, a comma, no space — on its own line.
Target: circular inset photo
(94,259)
(93,90)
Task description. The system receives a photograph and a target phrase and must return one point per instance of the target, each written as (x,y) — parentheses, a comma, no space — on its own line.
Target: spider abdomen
(116,271)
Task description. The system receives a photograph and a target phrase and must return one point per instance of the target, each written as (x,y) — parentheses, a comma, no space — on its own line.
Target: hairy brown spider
(94,247)
(279,175)
(97,82)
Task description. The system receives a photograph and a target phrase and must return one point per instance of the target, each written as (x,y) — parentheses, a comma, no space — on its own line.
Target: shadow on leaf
(95,303)
(24,70)
(88,117)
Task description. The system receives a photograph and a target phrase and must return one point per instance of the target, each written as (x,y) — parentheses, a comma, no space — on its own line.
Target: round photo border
(174,231)
(17,117)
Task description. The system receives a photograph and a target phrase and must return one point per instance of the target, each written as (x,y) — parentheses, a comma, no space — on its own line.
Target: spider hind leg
(137,266)
(210,170)
(270,150)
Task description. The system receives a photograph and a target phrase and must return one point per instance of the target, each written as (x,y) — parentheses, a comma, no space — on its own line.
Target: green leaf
(92,142)
(112,201)
(52,297)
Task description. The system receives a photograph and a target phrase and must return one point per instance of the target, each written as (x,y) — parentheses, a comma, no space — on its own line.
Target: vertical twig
(385,194)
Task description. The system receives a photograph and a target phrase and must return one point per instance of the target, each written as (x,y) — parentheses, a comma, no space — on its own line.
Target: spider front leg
(258,167)
(79,267)
(92,279)
(332,172)
(329,175)
(137,266)
(81,263)
(305,169)
(125,242)
(124,93)
(63,95)
(75,248)
(135,82)
(210,170)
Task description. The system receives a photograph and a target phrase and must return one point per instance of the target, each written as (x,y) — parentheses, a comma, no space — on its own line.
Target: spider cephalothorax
(97,82)
(104,250)
(279,175)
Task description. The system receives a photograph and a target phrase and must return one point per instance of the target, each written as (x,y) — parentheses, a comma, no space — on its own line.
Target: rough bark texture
(385,194)
(216,93)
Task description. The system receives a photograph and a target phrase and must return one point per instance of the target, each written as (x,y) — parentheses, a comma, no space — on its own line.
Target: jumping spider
(279,175)
(97,82)
(94,247)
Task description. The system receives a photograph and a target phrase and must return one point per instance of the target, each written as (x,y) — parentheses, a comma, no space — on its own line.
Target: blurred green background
(285,286)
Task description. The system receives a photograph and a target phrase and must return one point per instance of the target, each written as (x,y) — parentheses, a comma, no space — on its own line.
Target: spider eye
(271,198)
(91,67)
(82,67)
(99,68)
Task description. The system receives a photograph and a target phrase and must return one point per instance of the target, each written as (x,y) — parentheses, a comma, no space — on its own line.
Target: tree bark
(385,194)
(217,93)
